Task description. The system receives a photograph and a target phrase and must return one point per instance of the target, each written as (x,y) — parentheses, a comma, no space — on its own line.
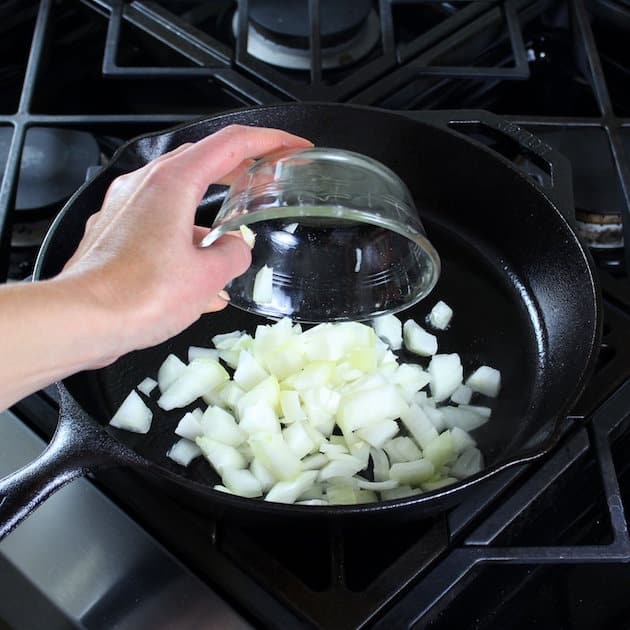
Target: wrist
(88,328)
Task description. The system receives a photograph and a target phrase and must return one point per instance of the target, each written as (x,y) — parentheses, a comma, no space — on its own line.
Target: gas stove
(543,544)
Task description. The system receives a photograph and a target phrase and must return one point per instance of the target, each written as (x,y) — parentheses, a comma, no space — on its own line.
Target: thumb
(225,259)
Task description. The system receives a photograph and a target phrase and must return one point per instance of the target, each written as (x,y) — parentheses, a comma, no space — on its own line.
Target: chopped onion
(249,236)
(402,449)
(242,482)
(132,415)
(389,329)
(412,473)
(220,455)
(183,452)
(328,415)
(418,340)
(220,425)
(169,371)
(263,286)
(196,352)
(289,491)
(147,385)
(462,417)
(194,380)
(189,426)
(440,316)
(377,434)
(446,375)
(485,380)
(469,462)
(462,395)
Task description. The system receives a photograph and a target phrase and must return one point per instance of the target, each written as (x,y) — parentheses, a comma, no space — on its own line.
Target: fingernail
(223,295)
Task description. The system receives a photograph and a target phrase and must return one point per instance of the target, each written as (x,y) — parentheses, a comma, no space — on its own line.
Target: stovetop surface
(544,544)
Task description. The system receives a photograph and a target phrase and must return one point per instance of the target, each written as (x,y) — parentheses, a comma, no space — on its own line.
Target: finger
(218,302)
(216,156)
(228,179)
(224,260)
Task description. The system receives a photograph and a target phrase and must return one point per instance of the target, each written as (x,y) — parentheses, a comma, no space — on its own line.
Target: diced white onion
(446,375)
(132,415)
(485,380)
(263,286)
(389,329)
(197,352)
(309,415)
(418,340)
(440,316)
(462,395)
(169,371)
(189,426)
(147,385)
(183,452)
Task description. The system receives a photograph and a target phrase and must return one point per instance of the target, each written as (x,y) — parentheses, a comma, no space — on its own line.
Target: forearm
(49,330)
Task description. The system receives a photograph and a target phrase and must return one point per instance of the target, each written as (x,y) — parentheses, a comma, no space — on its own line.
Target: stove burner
(53,166)
(278,32)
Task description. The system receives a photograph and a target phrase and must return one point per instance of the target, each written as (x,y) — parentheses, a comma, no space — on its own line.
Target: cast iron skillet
(521,285)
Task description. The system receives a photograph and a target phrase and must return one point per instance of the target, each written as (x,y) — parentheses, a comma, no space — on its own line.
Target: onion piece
(298,439)
(436,484)
(197,378)
(189,426)
(248,371)
(289,491)
(275,455)
(169,371)
(402,449)
(462,395)
(249,236)
(418,340)
(263,286)
(147,385)
(440,316)
(389,329)
(446,375)
(220,425)
(377,434)
(412,473)
(197,352)
(132,415)
(341,466)
(485,380)
(220,455)
(469,462)
(378,486)
(259,418)
(440,451)
(316,461)
(241,482)
(380,464)
(183,452)
(464,418)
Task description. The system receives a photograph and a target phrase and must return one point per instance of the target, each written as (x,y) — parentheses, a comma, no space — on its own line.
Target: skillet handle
(78,446)
(550,169)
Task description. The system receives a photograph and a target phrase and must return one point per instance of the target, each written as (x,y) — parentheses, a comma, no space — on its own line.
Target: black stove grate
(529,547)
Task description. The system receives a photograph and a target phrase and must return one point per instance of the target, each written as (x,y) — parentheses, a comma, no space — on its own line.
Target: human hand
(139,258)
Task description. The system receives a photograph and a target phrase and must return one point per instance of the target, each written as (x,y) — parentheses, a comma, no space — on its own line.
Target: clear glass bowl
(340,231)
